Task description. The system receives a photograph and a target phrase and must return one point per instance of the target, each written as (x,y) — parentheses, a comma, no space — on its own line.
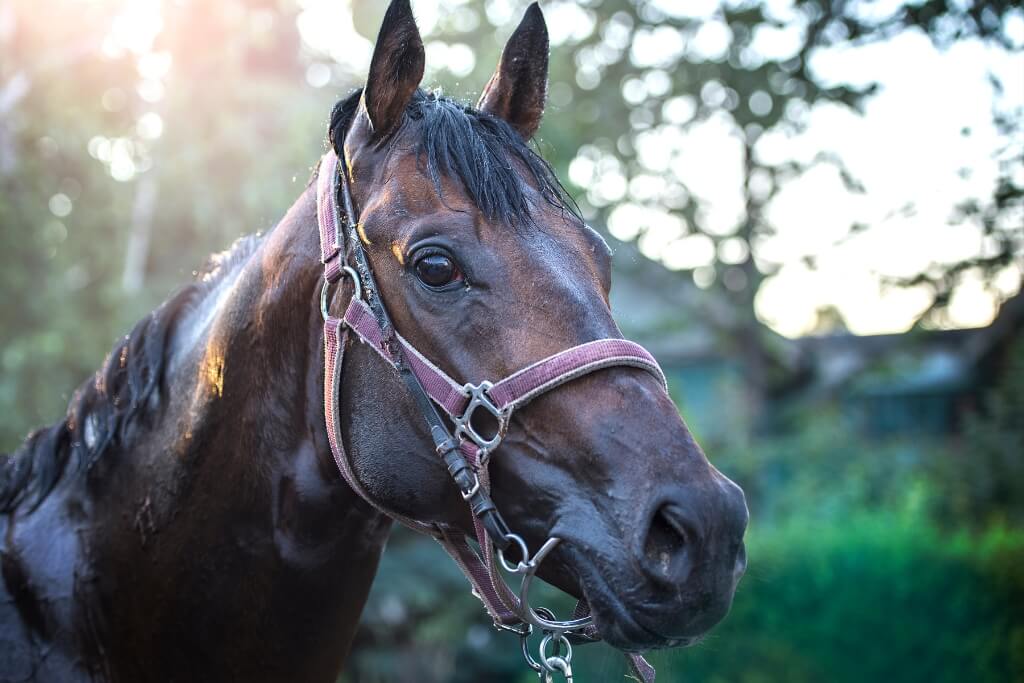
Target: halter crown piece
(465,453)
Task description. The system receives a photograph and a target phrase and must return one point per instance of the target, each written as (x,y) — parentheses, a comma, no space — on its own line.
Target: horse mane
(483,152)
(105,411)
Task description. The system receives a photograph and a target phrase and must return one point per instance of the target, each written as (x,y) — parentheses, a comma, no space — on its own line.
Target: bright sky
(907,148)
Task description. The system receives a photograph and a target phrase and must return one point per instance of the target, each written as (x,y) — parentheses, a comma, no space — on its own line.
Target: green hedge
(878,598)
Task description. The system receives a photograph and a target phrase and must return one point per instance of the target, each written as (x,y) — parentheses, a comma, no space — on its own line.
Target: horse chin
(620,625)
(617,624)
(622,631)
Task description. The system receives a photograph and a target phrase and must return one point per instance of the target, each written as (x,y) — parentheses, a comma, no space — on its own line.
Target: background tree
(628,107)
(636,77)
(630,81)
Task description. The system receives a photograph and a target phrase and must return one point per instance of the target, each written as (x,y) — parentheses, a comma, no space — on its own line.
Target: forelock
(485,155)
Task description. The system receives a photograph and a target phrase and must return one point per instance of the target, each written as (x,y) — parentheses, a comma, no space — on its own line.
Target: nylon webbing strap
(517,389)
(328,221)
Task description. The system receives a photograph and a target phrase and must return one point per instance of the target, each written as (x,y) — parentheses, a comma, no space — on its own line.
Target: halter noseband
(465,452)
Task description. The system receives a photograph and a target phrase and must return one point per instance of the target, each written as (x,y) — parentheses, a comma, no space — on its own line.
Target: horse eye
(437,270)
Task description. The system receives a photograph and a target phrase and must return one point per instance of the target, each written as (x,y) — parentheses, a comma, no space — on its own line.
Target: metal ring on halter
(323,300)
(536,617)
(357,294)
(356,282)
(557,639)
(524,564)
(524,643)
(541,617)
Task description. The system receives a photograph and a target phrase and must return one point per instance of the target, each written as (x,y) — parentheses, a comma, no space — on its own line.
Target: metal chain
(556,662)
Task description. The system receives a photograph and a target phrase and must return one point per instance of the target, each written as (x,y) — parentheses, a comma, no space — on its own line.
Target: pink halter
(465,452)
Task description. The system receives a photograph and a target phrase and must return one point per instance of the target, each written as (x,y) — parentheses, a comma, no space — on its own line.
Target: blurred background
(818,219)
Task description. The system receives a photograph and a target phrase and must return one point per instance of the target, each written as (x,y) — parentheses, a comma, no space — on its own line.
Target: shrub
(877,597)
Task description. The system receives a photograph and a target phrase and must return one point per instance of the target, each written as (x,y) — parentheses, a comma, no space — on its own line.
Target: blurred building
(923,381)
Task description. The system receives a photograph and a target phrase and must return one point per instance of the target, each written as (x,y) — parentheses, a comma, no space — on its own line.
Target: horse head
(485,267)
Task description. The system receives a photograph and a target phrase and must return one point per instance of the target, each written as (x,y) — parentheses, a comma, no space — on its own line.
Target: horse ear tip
(399,10)
(533,21)
(399,27)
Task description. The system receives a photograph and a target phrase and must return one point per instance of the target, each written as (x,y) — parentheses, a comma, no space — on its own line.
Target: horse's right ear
(395,70)
(519,87)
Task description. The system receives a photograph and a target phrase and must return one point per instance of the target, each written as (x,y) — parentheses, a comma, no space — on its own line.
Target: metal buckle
(478,398)
(466,495)
(356,294)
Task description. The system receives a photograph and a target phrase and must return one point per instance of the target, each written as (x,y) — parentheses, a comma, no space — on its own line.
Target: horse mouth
(618,624)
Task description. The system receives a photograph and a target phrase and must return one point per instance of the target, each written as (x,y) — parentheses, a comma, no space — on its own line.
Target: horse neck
(229,516)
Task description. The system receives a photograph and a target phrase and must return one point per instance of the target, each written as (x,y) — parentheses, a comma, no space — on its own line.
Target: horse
(187,521)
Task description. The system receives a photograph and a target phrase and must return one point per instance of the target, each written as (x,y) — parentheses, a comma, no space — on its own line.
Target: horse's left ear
(519,87)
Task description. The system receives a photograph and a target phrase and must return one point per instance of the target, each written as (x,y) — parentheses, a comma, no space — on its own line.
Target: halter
(465,451)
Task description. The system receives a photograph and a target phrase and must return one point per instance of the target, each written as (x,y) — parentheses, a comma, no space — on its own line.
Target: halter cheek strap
(465,452)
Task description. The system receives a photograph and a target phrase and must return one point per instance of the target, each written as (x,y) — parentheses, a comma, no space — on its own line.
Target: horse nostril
(669,544)
(741,562)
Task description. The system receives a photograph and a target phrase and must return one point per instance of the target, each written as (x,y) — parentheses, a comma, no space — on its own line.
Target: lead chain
(556,662)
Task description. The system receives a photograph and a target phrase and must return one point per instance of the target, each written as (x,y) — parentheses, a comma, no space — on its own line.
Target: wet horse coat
(186,521)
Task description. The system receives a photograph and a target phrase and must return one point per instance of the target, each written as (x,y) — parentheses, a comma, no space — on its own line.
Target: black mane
(99,414)
(481,151)
(107,408)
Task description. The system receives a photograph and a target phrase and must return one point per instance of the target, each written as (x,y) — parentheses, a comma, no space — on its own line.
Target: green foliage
(824,466)
(229,161)
(985,475)
(876,596)
(59,311)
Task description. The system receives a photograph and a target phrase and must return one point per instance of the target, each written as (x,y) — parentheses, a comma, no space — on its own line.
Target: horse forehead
(402,188)
(404,192)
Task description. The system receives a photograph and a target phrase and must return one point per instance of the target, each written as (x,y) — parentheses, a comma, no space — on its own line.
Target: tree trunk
(137,252)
